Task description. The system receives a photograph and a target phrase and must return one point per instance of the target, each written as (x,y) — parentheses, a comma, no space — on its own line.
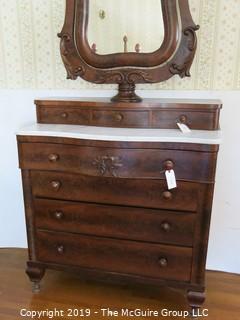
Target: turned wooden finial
(125,40)
(94,47)
(138,48)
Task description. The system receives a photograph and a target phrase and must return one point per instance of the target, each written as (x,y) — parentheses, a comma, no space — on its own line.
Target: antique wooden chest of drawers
(96,198)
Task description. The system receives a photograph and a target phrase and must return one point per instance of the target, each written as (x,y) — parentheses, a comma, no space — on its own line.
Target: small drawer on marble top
(113,255)
(128,192)
(118,118)
(63,115)
(195,120)
(116,221)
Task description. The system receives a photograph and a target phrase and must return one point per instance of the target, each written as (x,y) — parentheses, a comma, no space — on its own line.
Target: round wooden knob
(166,226)
(56,185)
(168,165)
(60,249)
(64,115)
(163,262)
(118,117)
(53,157)
(58,215)
(167,195)
(183,119)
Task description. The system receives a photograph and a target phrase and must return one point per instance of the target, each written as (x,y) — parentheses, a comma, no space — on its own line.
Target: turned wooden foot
(195,300)
(35,274)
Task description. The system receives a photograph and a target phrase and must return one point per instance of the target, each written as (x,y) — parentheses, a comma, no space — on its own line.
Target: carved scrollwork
(190,32)
(128,77)
(106,76)
(183,70)
(66,52)
(133,76)
(74,73)
(107,165)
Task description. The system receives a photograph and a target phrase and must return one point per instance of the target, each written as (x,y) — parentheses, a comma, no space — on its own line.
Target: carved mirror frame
(175,55)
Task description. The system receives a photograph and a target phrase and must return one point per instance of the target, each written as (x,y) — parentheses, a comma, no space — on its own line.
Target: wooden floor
(63,291)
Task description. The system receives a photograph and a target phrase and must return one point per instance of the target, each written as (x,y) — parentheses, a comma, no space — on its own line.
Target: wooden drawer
(62,115)
(119,162)
(151,113)
(130,192)
(116,221)
(121,256)
(132,119)
(167,120)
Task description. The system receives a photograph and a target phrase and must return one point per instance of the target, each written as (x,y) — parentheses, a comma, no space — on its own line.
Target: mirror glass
(125,26)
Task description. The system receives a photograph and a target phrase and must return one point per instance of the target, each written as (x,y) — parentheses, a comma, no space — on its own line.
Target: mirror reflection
(125,26)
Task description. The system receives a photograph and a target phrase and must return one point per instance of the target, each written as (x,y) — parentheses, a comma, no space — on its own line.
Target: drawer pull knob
(183,119)
(118,117)
(168,165)
(167,195)
(60,249)
(64,115)
(163,262)
(53,157)
(166,226)
(56,185)
(58,215)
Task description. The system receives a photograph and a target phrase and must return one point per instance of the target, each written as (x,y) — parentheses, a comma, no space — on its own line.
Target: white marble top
(121,134)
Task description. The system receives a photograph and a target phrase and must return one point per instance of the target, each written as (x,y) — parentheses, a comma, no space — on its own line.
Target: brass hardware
(102,14)
(53,157)
(167,195)
(35,287)
(163,262)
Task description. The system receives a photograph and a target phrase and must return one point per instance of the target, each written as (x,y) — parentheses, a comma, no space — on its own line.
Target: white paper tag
(171,179)
(184,128)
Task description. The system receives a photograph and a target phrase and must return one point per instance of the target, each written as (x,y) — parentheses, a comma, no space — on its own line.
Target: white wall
(17,109)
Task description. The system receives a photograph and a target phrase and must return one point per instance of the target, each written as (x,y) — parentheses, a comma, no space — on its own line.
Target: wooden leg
(195,300)
(35,274)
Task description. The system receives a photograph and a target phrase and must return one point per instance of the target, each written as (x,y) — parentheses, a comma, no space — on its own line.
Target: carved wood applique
(107,165)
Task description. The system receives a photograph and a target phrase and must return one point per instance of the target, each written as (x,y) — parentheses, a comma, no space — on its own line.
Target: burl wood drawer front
(116,221)
(129,257)
(125,163)
(130,192)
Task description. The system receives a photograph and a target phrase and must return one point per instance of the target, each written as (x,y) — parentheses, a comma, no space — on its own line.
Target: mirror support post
(126,93)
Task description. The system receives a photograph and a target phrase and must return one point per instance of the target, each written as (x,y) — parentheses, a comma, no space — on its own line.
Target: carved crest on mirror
(127,68)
